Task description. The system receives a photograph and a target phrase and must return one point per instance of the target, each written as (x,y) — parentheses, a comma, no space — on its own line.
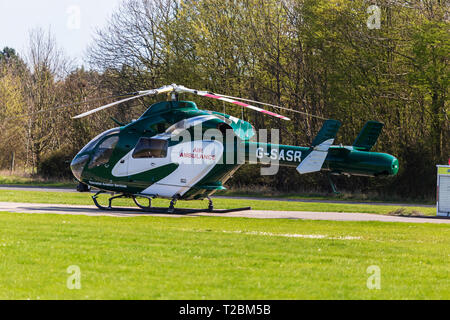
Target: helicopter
(177,151)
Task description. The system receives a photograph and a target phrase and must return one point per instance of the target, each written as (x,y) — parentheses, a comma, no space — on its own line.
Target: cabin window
(103,152)
(151,148)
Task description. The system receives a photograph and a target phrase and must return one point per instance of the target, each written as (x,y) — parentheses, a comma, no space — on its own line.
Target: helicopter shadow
(123,211)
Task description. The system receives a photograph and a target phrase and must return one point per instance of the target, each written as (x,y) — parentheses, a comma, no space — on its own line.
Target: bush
(56,165)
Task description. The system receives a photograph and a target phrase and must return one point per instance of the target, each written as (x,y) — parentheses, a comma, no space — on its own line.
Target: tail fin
(368,136)
(329,131)
(320,146)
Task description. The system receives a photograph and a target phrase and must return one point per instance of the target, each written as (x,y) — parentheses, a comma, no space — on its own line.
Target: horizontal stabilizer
(320,147)
(314,161)
(368,136)
(329,131)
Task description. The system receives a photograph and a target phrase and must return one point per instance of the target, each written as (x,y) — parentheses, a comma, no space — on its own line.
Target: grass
(85,199)
(31,181)
(219,258)
(268,192)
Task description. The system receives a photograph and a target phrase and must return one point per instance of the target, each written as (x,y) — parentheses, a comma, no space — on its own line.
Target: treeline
(328,58)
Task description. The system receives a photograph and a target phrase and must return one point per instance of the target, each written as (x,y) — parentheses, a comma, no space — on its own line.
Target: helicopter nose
(394,167)
(77,166)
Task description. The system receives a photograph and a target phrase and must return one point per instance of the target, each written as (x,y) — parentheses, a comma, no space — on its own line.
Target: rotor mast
(174,96)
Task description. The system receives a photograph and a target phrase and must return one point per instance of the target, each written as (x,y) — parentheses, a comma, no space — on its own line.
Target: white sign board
(443,191)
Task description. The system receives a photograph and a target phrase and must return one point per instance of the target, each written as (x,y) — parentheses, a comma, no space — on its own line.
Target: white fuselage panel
(195,159)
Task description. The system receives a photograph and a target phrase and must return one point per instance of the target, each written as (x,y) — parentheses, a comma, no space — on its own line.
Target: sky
(72,22)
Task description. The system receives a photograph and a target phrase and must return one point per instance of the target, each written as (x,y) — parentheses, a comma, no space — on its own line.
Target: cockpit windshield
(104,151)
(93,143)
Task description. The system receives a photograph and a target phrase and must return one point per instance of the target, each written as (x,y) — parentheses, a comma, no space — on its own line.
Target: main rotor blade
(67,106)
(233,101)
(242,104)
(272,105)
(140,95)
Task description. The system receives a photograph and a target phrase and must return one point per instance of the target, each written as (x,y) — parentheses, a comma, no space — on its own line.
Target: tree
(48,66)
(315,57)
(11,103)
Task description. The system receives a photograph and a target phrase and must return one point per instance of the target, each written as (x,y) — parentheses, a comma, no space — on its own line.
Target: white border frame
(440,214)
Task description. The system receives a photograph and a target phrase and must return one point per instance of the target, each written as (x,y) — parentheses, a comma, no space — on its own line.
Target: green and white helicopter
(179,152)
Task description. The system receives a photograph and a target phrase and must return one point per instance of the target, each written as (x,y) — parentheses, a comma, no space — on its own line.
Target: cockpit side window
(103,152)
(91,145)
(151,148)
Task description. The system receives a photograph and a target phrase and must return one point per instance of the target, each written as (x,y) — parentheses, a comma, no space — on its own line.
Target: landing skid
(150,209)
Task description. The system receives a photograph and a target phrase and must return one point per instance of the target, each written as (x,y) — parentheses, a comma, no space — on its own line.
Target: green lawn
(85,199)
(344,196)
(219,258)
(16,180)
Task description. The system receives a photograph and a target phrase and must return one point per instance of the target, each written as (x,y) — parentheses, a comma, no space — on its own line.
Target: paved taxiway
(32,208)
